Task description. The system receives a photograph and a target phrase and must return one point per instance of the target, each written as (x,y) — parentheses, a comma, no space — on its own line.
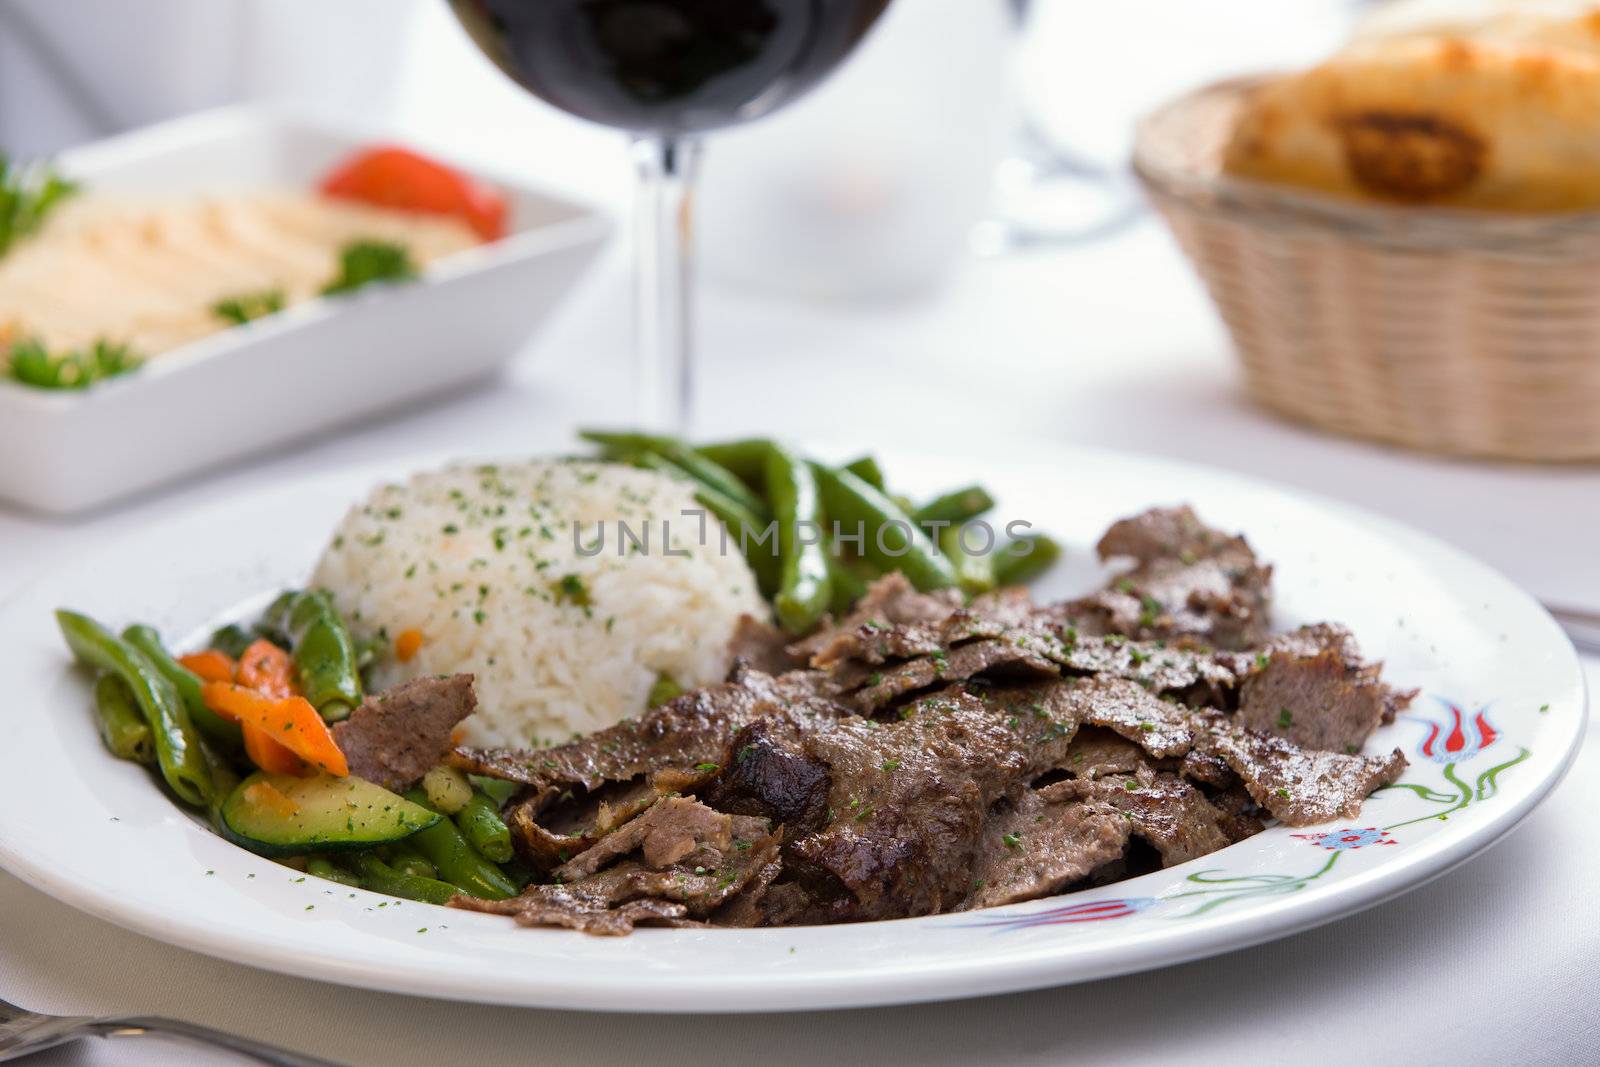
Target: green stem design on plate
(1241,887)
(1462,798)
(1487,784)
(1421,790)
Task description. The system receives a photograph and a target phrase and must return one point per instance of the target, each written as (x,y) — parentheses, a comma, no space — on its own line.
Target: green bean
(520,873)
(1011,568)
(379,877)
(866,468)
(223,780)
(408,860)
(323,867)
(325,659)
(368,651)
(274,618)
(974,570)
(481,825)
(804,589)
(122,728)
(848,585)
(708,473)
(956,507)
(891,541)
(664,688)
(496,790)
(232,640)
(174,737)
(456,860)
(214,727)
(745,460)
(756,540)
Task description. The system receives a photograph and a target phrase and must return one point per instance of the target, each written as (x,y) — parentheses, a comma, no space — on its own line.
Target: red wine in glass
(667,71)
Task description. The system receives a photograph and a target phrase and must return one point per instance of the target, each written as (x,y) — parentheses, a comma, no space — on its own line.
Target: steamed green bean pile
(815,535)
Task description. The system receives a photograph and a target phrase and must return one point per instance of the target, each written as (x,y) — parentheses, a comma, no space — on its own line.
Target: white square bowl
(309,368)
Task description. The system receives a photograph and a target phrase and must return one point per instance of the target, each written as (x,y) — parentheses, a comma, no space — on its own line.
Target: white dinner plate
(1498,720)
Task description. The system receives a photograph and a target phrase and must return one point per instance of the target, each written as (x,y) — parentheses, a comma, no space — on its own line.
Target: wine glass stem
(662,273)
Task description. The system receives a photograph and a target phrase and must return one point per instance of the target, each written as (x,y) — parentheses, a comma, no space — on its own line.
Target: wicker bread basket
(1448,331)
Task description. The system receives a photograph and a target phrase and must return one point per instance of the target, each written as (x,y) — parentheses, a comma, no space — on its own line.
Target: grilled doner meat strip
(578,792)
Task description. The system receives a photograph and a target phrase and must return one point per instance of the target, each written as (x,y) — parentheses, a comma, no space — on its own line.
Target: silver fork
(24,1032)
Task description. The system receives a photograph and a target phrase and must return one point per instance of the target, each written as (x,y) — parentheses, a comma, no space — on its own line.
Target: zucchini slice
(281,815)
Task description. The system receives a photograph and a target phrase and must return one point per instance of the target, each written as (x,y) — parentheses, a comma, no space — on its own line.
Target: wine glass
(666,71)
(1048,194)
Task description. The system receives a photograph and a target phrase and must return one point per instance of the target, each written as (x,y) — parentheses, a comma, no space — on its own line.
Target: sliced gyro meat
(397,736)
(1299,786)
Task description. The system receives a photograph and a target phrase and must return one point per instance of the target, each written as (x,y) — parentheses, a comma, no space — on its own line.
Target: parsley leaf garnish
(27,194)
(247,307)
(367,262)
(32,364)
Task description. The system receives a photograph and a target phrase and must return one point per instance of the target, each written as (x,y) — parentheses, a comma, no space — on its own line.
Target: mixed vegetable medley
(242,731)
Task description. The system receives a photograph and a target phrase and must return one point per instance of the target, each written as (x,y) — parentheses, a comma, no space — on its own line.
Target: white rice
(483,562)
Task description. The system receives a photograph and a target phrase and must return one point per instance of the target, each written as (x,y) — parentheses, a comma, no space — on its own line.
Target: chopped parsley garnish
(570,589)
(363,263)
(247,307)
(28,192)
(32,364)
(1285,718)
(891,765)
(707,768)
(1012,841)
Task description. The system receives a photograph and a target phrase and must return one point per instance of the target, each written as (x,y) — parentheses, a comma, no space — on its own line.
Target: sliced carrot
(265,752)
(267,795)
(407,645)
(267,669)
(289,721)
(211,665)
(264,667)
